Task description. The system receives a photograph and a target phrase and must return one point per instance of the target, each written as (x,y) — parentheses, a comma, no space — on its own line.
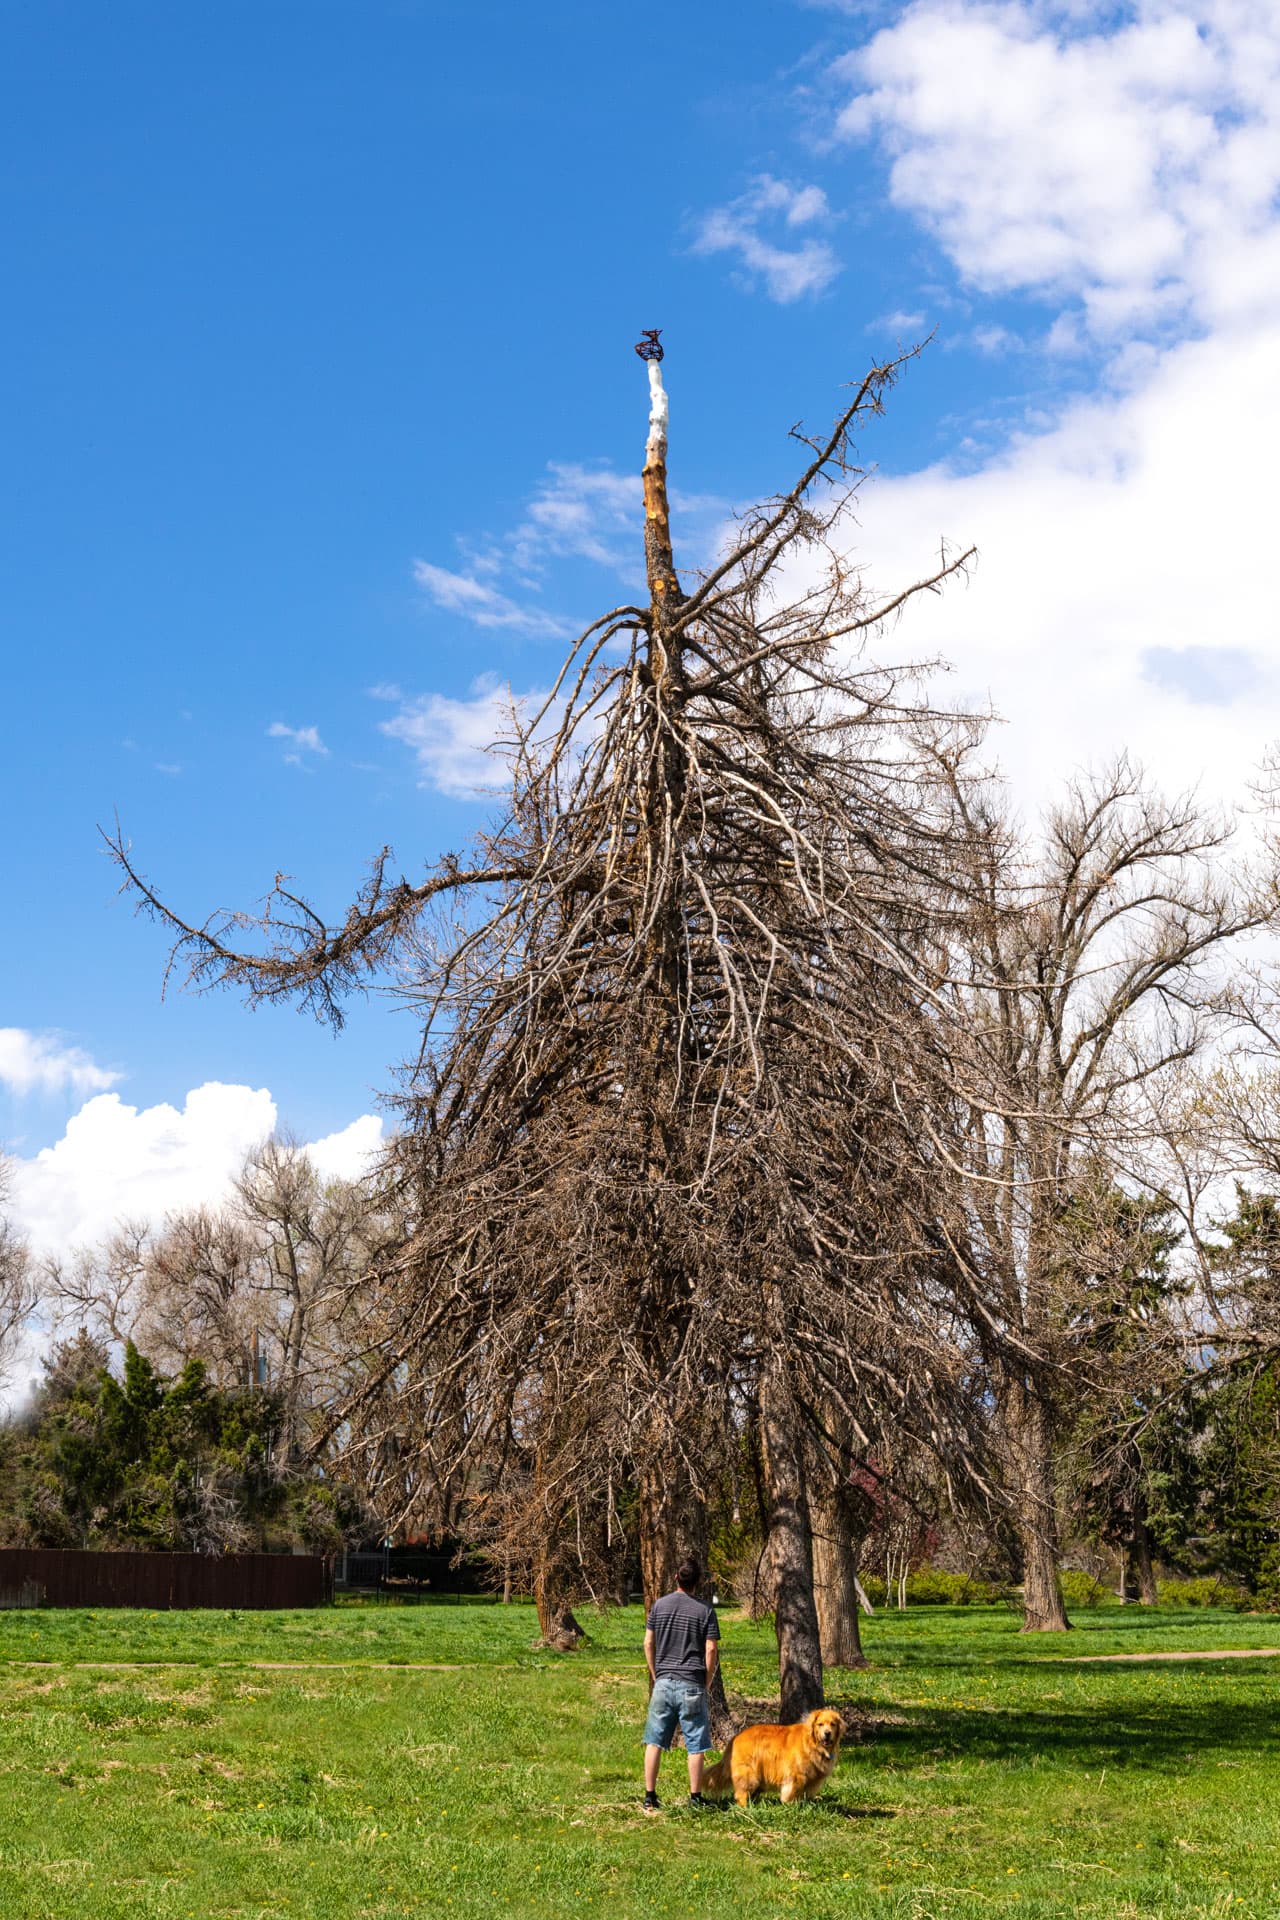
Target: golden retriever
(796,1760)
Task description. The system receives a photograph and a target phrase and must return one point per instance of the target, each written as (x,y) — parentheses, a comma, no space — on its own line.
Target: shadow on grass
(826,1807)
(1153,1736)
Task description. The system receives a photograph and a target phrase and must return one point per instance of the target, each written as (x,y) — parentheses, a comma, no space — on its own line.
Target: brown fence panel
(67,1577)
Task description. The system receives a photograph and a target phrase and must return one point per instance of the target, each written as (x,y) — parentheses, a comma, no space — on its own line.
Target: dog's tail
(719,1779)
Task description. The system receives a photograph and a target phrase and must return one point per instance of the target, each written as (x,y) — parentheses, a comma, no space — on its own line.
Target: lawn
(428,1759)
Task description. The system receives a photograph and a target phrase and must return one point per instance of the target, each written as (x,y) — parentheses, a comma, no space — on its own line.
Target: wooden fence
(67,1577)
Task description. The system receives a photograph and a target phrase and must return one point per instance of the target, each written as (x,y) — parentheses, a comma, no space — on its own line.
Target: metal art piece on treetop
(649,345)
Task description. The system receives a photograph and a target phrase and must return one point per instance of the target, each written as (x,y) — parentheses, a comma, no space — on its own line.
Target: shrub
(1080,1589)
(930,1587)
(1204,1590)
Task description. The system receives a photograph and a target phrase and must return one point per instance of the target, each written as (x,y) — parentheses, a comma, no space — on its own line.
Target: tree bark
(1142,1561)
(835,1577)
(660,1529)
(551,1595)
(790,1547)
(1027,1429)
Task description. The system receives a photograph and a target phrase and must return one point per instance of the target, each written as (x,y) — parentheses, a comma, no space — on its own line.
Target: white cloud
(578,511)
(40,1063)
(116,1162)
(593,513)
(897,322)
(350,1153)
(1134,167)
(994,341)
(1123,163)
(1123,596)
(452,740)
(485,605)
(302,740)
(788,272)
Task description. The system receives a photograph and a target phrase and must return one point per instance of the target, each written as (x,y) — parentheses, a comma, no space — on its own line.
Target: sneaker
(696,1800)
(651,1802)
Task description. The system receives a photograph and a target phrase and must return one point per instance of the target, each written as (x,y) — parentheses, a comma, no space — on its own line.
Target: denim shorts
(678,1701)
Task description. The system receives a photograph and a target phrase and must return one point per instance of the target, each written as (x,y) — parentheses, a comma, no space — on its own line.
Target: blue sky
(316,348)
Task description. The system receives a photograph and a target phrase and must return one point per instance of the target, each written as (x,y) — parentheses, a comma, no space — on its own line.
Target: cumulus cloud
(1123,594)
(116,1162)
(453,741)
(40,1063)
(788,271)
(351,1152)
(1133,166)
(1123,164)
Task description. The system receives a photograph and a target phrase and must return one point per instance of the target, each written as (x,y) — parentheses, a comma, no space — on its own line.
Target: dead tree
(667,990)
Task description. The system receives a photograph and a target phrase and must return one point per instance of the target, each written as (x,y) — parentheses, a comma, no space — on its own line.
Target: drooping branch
(305,960)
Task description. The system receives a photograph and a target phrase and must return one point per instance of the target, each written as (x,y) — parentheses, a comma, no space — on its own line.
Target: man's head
(688,1574)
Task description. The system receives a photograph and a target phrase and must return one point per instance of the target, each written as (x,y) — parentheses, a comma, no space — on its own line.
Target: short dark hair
(688,1573)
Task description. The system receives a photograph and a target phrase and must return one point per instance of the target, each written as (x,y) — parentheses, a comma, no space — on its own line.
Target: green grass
(998,1777)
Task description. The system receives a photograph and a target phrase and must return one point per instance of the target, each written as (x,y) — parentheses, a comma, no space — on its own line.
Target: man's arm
(713,1659)
(648,1653)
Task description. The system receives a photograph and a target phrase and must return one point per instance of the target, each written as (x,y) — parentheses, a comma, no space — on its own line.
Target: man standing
(681,1650)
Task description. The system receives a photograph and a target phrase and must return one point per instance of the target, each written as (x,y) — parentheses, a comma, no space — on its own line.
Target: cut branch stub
(664,588)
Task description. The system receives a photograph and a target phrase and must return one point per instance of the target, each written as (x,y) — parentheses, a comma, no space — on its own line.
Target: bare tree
(1093,971)
(17,1284)
(268,1289)
(668,1020)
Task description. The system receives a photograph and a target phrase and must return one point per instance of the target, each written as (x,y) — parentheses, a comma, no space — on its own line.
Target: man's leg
(652,1760)
(697,1763)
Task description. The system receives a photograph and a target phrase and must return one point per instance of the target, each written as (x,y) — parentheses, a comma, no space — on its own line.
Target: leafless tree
(17,1284)
(268,1288)
(676,1006)
(1095,968)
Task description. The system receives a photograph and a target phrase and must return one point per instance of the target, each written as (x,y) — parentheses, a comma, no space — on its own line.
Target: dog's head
(827,1727)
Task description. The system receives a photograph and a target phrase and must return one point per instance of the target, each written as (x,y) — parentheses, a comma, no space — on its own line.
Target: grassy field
(319,1764)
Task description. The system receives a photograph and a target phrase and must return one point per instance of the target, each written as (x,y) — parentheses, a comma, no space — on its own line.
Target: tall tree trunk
(790,1546)
(1027,1431)
(835,1576)
(1142,1561)
(554,1601)
(660,1526)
